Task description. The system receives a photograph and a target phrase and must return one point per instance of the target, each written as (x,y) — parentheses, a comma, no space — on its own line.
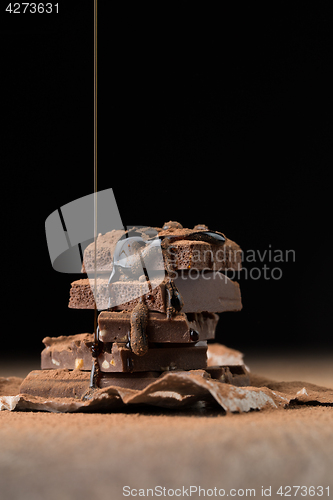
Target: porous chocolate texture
(182,251)
(125,293)
(205,291)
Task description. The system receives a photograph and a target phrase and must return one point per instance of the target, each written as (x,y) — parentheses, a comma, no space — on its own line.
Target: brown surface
(66,456)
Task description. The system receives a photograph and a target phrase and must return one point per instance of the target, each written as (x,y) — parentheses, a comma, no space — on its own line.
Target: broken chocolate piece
(72,352)
(64,383)
(184,251)
(201,291)
(52,384)
(235,375)
(122,292)
(115,327)
(122,359)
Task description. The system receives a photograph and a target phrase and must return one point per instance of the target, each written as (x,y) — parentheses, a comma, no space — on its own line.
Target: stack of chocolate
(150,327)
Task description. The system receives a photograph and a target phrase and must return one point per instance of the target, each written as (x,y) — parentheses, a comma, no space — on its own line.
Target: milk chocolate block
(115,327)
(56,383)
(72,352)
(122,359)
(63,383)
(81,294)
(201,291)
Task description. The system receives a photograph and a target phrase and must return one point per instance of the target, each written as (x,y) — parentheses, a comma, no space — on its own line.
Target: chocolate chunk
(122,293)
(122,359)
(200,291)
(235,375)
(172,225)
(72,352)
(115,327)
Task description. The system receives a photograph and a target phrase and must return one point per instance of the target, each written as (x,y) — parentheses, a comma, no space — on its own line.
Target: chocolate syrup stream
(95,371)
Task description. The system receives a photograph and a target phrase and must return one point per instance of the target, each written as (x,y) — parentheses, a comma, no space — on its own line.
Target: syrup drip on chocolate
(194,335)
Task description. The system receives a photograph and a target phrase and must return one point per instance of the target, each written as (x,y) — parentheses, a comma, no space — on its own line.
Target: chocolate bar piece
(81,294)
(183,251)
(73,352)
(56,383)
(74,383)
(122,359)
(115,327)
(201,291)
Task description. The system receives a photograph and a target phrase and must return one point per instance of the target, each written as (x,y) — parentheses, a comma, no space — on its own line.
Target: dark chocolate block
(115,327)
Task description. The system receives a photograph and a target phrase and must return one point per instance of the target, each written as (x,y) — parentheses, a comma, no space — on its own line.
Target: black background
(205,115)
